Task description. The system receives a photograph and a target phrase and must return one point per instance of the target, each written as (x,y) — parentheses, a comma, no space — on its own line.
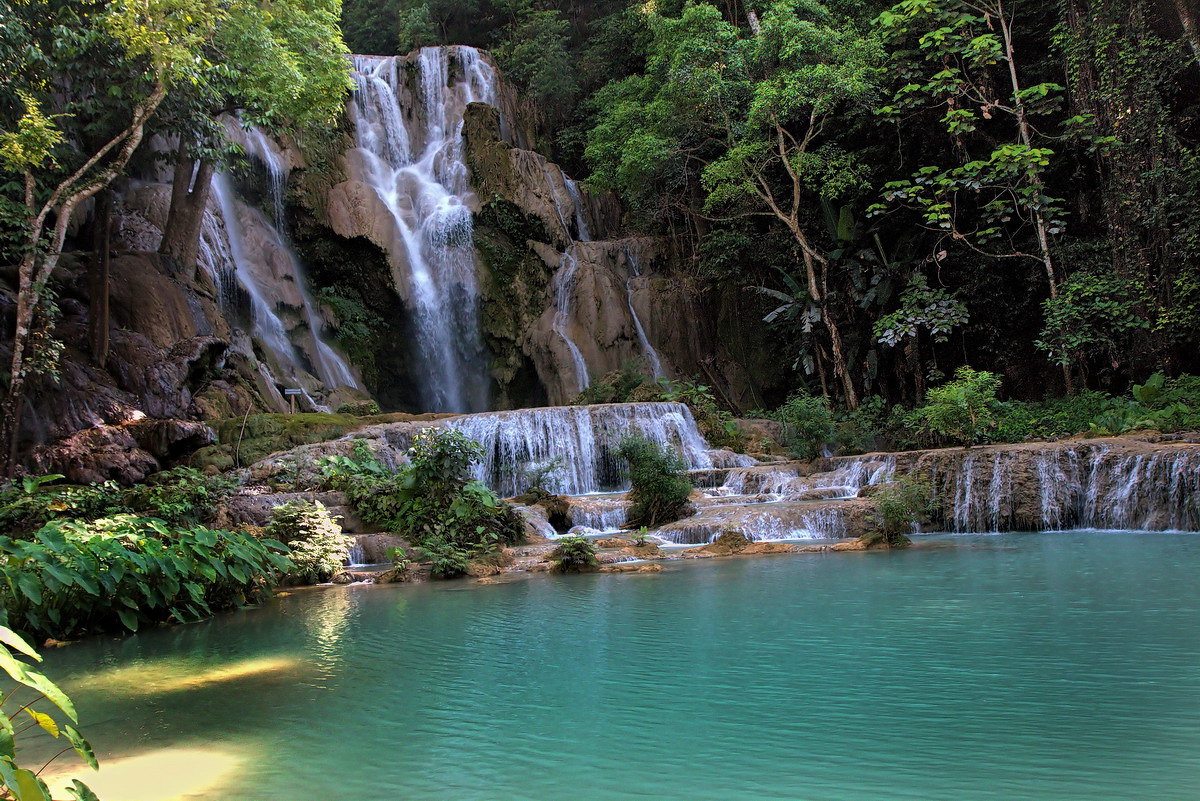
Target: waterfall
(652,359)
(1108,485)
(584,440)
(412,158)
(562,287)
(1095,487)
(331,368)
(225,237)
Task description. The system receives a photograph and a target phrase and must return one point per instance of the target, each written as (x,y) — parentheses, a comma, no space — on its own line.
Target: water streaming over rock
(333,370)
(408,118)
(583,440)
(1110,484)
(653,362)
(562,287)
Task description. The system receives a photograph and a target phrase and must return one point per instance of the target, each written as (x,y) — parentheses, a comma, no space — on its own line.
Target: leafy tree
(745,119)
(960,56)
(1094,313)
(963,409)
(532,51)
(161,39)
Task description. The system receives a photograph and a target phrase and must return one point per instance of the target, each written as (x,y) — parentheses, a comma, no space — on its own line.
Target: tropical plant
(76,577)
(318,547)
(964,409)
(659,485)
(807,424)
(23,784)
(28,503)
(180,495)
(432,501)
(899,507)
(574,555)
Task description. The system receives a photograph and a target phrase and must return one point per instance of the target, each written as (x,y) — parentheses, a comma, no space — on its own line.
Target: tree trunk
(835,335)
(190,188)
(1191,30)
(44,254)
(98,312)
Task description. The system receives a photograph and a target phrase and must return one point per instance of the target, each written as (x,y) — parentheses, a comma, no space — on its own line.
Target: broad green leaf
(81,791)
(81,746)
(128,618)
(49,689)
(17,643)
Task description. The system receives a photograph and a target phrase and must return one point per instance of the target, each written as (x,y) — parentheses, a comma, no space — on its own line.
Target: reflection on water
(1058,667)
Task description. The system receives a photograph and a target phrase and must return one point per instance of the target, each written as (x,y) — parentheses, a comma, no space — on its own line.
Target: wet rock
(631,567)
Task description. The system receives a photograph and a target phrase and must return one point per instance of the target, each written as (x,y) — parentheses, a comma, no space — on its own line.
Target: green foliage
(76,577)
(807,424)
(574,555)
(922,307)
(1095,313)
(964,409)
(900,506)
(535,477)
(318,547)
(659,485)
(532,51)
(360,408)
(16,782)
(179,495)
(431,500)
(28,503)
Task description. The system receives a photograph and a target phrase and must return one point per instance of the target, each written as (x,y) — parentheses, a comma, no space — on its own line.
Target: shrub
(535,477)
(659,485)
(899,506)
(963,409)
(807,424)
(433,502)
(30,502)
(22,783)
(76,577)
(318,546)
(359,408)
(180,495)
(615,387)
(574,555)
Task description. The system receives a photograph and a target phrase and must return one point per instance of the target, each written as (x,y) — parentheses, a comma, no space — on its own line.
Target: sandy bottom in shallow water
(168,676)
(169,774)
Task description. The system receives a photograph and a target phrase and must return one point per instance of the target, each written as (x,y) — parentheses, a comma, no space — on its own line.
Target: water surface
(1036,666)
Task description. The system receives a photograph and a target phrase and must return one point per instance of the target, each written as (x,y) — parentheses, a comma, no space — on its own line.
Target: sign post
(291,394)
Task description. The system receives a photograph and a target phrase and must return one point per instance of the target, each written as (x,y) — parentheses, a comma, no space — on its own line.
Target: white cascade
(331,368)
(652,359)
(562,287)
(583,441)
(409,143)
(222,243)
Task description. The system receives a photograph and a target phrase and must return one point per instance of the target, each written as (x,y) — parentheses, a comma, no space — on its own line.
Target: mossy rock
(244,441)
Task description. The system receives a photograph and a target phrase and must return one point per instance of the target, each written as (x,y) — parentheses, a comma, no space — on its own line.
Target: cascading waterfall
(562,287)
(224,243)
(583,441)
(1099,485)
(652,359)
(331,368)
(412,157)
